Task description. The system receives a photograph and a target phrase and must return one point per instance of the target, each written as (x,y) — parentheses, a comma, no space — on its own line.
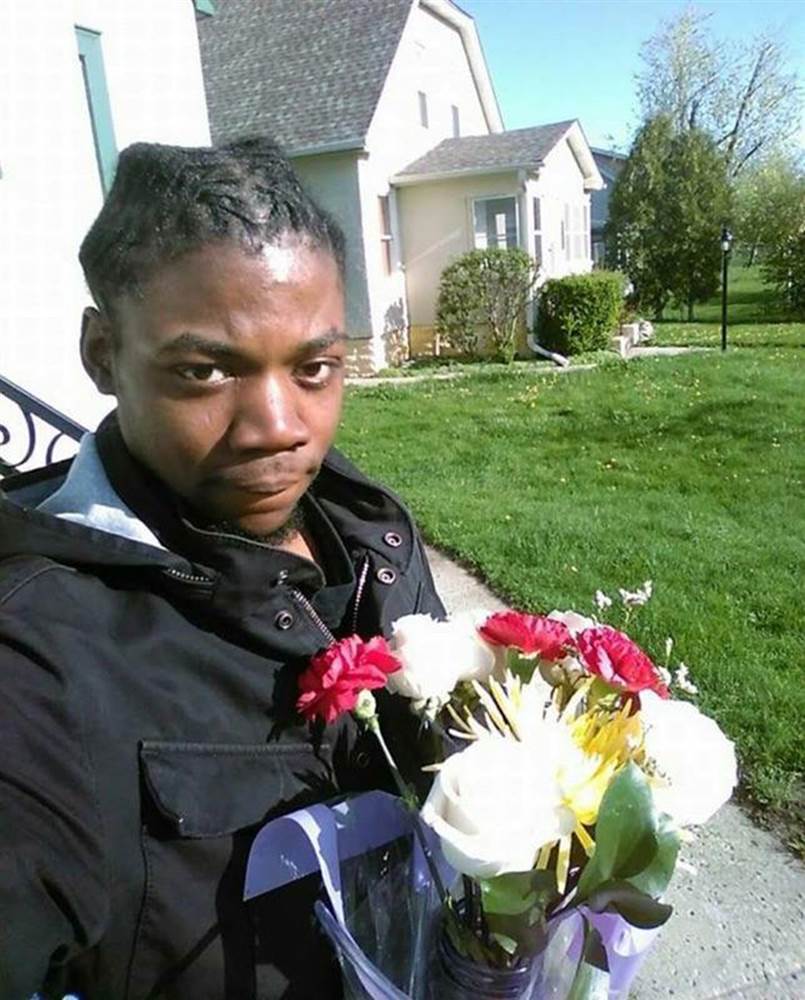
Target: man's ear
(97,348)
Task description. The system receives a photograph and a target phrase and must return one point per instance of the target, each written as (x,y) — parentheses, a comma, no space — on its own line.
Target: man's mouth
(263,487)
(265,484)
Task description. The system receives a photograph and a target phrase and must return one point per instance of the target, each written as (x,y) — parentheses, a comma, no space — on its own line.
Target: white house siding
(333,180)
(560,188)
(430,59)
(50,190)
(437,227)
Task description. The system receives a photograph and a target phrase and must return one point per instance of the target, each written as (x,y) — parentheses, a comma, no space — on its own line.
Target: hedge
(485,292)
(580,312)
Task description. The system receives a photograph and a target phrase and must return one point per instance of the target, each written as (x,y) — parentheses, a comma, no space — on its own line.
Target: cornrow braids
(169,200)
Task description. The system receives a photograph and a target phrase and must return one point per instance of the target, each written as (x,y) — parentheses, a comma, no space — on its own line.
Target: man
(160,595)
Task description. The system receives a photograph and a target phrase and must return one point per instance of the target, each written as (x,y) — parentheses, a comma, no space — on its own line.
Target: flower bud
(365,707)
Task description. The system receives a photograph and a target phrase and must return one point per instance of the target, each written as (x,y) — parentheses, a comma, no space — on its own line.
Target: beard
(293,526)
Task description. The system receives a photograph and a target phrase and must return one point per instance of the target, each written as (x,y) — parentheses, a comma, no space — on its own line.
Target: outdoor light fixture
(726,246)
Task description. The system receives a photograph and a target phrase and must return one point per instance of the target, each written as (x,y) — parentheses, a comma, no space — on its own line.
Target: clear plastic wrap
(384,916)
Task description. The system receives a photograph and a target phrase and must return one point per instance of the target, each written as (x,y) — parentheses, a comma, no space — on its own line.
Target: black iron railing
(56,424)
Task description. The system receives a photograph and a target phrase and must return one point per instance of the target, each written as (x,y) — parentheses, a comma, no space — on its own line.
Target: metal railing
(30,407)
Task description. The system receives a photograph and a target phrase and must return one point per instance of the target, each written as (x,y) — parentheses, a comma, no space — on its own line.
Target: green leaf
(516,892)
(633,905)
(655,877)
(521,666)
(632,841)
(527,929)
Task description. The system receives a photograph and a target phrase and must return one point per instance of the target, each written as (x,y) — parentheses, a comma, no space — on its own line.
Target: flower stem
(409,797)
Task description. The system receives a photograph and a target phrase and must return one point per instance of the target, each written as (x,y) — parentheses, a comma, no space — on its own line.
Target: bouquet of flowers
(568,780)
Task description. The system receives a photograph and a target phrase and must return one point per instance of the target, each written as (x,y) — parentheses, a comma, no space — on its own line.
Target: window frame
(536,218)
(424,120)
(386,233)
(496,197)
(99,109)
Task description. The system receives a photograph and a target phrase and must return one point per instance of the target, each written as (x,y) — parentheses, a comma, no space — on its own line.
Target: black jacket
(147,730)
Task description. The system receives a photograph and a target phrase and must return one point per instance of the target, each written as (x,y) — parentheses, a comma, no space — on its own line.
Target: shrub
(785,269)
(485,291)
(580,312)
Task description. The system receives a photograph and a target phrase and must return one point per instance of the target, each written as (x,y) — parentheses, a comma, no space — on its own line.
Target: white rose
(435,656)
(694,760)
(574,621)
(494,805)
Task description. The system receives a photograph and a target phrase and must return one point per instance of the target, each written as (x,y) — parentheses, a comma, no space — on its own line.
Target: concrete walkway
(738,928)
(543,369)
(448,376)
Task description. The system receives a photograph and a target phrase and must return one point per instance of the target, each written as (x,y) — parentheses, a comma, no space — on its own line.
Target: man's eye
(201,373)
(319,372)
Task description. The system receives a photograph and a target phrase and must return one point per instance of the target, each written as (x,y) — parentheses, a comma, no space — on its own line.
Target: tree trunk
(690,307)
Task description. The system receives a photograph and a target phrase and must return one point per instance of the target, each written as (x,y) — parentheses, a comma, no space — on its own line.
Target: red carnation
(612,656)
(528,633)
(336,676)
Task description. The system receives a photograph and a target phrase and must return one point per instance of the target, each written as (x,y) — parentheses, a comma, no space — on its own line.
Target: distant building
(609,164)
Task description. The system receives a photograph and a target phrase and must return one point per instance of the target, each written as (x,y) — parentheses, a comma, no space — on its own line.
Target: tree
(771,219)
(696,203)
(743,96)
(770,204)
(665,215)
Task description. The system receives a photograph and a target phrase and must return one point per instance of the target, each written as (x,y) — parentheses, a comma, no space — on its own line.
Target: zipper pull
(359,589)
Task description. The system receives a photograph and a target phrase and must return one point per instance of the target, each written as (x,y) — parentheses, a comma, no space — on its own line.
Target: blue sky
(557,59)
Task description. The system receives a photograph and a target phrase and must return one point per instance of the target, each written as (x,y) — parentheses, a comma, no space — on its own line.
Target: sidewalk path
(738,929)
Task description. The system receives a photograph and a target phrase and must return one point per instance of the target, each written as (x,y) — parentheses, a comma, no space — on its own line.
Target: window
(90,57)
(587,250)
(564,241)
(456,122)
(579,242)
(423,109)
(386,237)
(537,231)
(495,223)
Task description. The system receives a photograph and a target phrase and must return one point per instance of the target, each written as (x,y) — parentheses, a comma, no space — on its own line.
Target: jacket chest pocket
(202,805)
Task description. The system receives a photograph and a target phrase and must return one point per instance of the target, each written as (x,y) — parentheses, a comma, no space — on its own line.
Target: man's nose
(268,417)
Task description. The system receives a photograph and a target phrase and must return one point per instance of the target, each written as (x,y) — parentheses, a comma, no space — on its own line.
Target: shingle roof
(307,72)
(520,147)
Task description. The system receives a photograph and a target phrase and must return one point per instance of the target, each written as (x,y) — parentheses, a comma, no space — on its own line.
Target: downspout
(526,238)
(543,352)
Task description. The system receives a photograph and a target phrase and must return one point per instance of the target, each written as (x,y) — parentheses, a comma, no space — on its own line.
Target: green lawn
(684,470)
(754,318)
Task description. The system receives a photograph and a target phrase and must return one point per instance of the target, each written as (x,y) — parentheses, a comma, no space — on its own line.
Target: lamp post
(726,246)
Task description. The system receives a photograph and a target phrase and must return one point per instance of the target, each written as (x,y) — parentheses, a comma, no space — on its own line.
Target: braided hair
(169,200)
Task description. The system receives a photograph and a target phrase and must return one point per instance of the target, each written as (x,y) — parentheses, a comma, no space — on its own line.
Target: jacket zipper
(359,593)
(305,604)
(187,577)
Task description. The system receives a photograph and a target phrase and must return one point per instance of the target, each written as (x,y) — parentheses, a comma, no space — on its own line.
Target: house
(389,112)
(609,164)
(527,187)
(83,79)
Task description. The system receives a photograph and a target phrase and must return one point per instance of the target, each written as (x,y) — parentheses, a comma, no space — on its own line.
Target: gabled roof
(305,72)
(310,72)
(609,162)
(518,149)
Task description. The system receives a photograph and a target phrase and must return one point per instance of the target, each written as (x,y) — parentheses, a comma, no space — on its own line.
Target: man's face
(229,375)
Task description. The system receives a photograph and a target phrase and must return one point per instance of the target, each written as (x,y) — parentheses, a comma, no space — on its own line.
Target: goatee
(293,526)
